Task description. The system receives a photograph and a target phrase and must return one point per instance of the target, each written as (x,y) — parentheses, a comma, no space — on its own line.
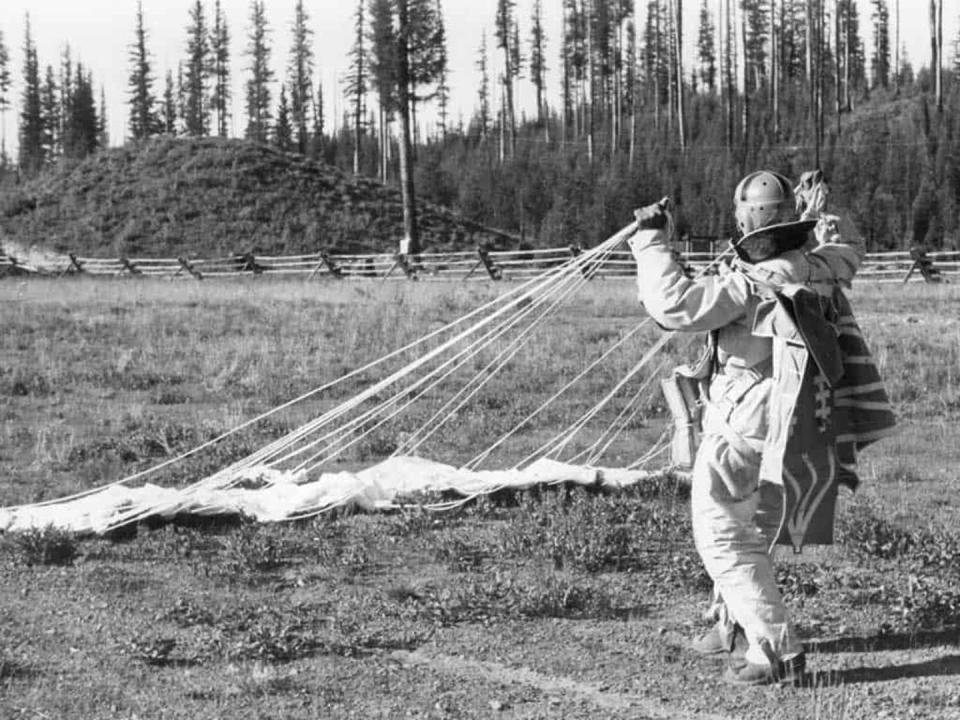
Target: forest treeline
(783,84)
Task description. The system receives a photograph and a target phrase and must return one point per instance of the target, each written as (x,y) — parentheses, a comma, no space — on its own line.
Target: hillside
(213,197)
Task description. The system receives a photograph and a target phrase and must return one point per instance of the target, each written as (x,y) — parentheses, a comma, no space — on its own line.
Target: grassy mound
(213,197)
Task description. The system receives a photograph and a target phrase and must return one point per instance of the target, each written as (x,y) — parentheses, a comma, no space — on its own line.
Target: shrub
(43,546)
(868,533)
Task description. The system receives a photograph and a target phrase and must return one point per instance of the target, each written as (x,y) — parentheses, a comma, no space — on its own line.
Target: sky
(99,33)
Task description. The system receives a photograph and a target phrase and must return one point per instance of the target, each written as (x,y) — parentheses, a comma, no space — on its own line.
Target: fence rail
(887,267)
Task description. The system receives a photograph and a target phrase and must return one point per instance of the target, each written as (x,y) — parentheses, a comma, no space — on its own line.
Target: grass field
(541,605)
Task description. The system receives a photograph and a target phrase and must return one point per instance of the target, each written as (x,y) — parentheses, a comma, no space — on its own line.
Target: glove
(654,217)
(811,195)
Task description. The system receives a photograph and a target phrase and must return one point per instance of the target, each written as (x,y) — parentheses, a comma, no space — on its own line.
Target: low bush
(42,546)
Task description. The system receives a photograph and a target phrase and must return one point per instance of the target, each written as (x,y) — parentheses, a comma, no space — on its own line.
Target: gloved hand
(657,216)
(654,217)
(811,195)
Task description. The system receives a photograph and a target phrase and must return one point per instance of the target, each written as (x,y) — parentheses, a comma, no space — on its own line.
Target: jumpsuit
(736,514)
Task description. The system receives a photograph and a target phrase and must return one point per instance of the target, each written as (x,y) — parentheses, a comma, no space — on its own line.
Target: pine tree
(425,52)
(258,86)
(706,49)
(283,131)
(538,66)
(82,126)
(356,87)
(483,89)
(383,71)
(31,155)
(50,112)
(300,76)
(318,115)
(142,120)
(411,234)
(505,35)
(4,97)
(442,69)
(103,130)
(66,81)
(168,112)
(196,117)
(880,61)
(220,54)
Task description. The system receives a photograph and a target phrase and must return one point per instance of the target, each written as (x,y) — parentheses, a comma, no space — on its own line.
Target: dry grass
(103,378)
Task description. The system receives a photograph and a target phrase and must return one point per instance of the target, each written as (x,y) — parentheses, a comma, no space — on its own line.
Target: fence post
(327,262)
(130,267)
(924,264)
(493,271)
(184,265)
(408,269)
(248,263)
(75,265)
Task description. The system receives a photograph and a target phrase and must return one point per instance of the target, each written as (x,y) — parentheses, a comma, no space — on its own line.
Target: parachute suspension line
(630,410)
(233,472)
(290,403)
(560,441)
(474,463)
(452,364)
(271,450)
(456,403)
(573,267)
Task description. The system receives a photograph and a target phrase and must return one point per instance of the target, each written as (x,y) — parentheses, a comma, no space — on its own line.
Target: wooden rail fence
(901,267)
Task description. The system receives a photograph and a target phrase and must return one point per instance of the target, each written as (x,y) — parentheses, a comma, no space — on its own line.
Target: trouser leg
(726,501)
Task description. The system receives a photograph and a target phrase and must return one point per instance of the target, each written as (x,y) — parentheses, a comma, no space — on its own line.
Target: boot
(780,672)
(719,639)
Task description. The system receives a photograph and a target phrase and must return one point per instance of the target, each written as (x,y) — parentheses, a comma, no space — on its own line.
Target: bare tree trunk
(936,41)
(590,89)
(819,93)
(728,71)
(897,49)
(411,235)
(678,28)
(746,93)
(836,54)
(847,94)
(809,57)
(774,70)
(656,69)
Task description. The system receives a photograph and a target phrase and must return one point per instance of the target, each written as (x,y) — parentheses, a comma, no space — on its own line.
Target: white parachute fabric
(268,495)
(291,477)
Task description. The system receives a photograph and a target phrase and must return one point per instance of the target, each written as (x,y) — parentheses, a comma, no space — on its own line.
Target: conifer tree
(706,49)
(103,130)
(538,66)
(356,87)
(220,55)
(143,120)
(196,116)
(411,234)
(300,76)
(82,129)
(383,71)
(4,97)
(442,69)
(483,88)
(31,154)
(880,61)
(66,86)
(168,112)
(50,111)
(283,131)
(318,114)
(258,107)
(505,35)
